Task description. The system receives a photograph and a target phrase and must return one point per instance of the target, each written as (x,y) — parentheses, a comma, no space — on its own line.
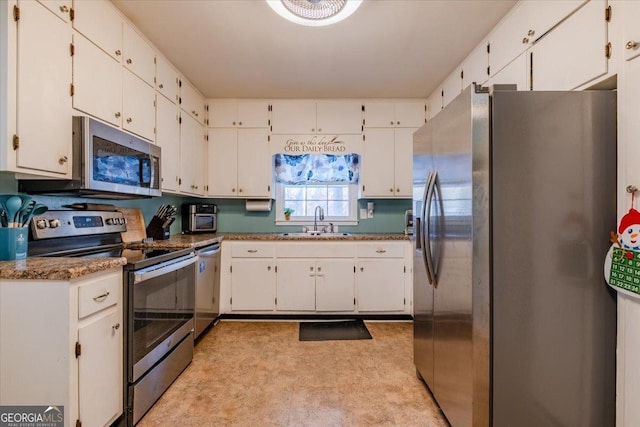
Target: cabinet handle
(391,189)
(391,122)
(397,123)
(118,115)
(268,268)
(631,44)
(319,275)
(530,32)
(319,268)
(397,190)
(319,130)
(62,160)
(381,251)
(239,123)
(631,189)
(525,40)
(129,60)
(252,251)
(116,326)
(129,119)
(161,86)
(313,130)
(118,52)
(233,190)
(102,297)
(361,268)
(64,9)
(234,123)
(239,190)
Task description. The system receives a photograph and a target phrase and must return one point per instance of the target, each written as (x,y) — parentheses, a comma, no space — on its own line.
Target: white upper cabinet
(167,80)
(43,109)
(339,117)
(99,22)
(452,86)
(138,106)
(191,101)
(62,8)
(559,63)
(434,104)
(242,114)
(475,66)
(97,78)
(316,117)
(517,72)
(526,22)
(168,138)
(138,56)
(631,36)
(394,114)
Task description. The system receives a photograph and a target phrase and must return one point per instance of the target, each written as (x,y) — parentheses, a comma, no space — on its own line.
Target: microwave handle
(147,274)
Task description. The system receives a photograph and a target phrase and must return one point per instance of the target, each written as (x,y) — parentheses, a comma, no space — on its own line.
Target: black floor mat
(340,330)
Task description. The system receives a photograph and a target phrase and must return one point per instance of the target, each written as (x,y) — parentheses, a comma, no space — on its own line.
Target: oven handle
(150,273)
(210,252)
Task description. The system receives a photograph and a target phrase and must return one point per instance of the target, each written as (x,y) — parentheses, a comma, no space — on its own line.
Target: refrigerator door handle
(426,220)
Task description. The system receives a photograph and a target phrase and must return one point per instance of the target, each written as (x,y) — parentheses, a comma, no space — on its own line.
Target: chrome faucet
(316,216)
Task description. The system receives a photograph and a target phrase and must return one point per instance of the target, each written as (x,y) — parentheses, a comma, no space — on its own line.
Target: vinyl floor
(258,374)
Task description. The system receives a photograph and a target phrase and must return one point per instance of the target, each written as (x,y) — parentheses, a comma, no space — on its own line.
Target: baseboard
(293,317)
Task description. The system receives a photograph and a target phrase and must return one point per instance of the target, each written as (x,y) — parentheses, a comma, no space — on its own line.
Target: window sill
(305,223)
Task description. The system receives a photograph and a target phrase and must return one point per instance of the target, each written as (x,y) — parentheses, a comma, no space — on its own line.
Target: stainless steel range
(159,298)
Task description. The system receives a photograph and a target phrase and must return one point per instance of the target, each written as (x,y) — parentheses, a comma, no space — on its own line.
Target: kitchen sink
(315,234)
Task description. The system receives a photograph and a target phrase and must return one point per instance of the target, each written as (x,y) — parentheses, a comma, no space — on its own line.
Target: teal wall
(388,216)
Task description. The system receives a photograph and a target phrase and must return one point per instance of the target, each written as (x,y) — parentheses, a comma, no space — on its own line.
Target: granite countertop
(56,268)
(180,241)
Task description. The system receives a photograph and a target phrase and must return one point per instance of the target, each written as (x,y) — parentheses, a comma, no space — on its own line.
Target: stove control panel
(76,223)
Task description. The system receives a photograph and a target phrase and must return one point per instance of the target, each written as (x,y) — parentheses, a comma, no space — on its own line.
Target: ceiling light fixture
(314,13)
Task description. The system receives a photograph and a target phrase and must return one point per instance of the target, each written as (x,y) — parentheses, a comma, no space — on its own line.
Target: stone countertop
(349,238)
(56,268)
(180,241)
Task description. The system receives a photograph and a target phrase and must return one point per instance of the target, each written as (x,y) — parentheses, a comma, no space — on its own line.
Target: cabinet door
(188,135)
(296,285)
(200,161)
(43,97)
(517,72)
(559,63)
(138,56)
(339,117)
(544,15)
(138,105)
(253,284)
(293,117)
(335,285)
(434,104)
(100,371)
(167,79)
(168,138)
(403,162)
(223,162)
(377,173)
(410,113)
(451,87)
(253,114)
(631,29)
(97,79)
(191,101)
(59,7)
(508,39)
(99,22)
(629,105)
(379,114)
(223,114)
(380,285)
(254,163)
(475,66)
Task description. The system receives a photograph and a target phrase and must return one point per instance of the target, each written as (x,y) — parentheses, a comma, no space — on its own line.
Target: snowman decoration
(622,264)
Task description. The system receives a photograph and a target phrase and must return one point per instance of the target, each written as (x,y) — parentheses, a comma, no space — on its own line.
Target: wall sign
(316,144)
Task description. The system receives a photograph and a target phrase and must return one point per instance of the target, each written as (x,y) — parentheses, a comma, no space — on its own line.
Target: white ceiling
(386,49)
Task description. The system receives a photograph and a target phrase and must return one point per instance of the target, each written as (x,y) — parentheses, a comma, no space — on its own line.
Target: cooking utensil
(27,205)
(13,205)
(38,209)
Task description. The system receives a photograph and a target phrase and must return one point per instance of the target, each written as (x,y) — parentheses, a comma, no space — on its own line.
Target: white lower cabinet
(61,343)
(321,276)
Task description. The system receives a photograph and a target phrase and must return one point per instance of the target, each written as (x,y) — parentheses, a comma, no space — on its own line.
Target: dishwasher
(207,287)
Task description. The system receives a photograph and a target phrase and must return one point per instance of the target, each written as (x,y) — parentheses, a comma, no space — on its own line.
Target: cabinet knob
(631,189)
(118,52)
(268,268)
(361,268)
(398,123)
(311,268)
(631,44)
(397,190)
(319,268)
(62,160)
(129,61)
(525,40)
(117,115)
(239,123)
(391,122)
(129,119)
(391,189)
(116,326)
(161,86)
(233,190)
(234,123)
(64,9)
(530,32)
(313,130)
(239,190)
(319,130)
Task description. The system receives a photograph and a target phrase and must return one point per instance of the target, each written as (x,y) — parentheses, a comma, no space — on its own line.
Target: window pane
(339,192)
(292,192)
(338,208)
(316,193)
(297,206)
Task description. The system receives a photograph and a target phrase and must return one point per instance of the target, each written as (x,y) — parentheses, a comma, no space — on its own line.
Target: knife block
(156,230)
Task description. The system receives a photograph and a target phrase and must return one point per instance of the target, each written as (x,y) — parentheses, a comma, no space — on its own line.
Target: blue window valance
(318,168)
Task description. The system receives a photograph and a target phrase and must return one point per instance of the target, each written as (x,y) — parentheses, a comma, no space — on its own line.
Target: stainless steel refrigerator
(514,199)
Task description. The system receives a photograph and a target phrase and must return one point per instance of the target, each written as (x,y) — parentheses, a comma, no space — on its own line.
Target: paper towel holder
(258,205)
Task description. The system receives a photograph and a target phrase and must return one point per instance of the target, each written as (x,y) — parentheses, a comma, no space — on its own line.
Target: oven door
(161,307)
(204,222)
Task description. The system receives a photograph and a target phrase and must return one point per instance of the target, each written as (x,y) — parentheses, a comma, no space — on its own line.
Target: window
(304,182)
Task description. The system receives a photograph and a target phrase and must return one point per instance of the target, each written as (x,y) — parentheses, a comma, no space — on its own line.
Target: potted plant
(287,213)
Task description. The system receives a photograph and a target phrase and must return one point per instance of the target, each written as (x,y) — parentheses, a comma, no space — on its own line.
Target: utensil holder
(156,230)
(14,243)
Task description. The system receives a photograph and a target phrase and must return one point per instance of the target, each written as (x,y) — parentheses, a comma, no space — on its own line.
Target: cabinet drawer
(98,294)
(252,250)
(316,250)
(380,250)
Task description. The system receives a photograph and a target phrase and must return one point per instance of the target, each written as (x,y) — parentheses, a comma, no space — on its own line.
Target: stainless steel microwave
(107,163)
(199,218)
